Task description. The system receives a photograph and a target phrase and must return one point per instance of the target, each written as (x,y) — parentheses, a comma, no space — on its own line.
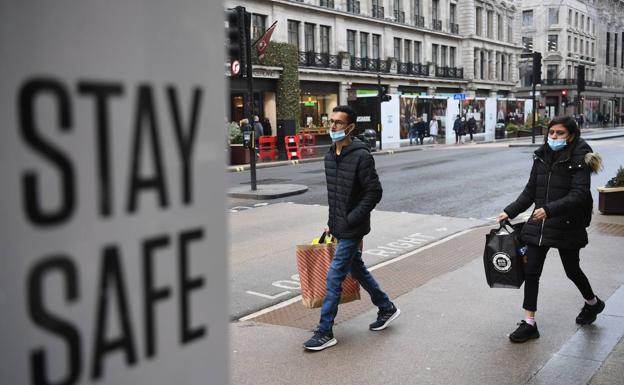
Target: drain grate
(395,279)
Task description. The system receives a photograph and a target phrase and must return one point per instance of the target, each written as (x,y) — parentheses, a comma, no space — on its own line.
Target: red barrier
(292,147)
(268,147)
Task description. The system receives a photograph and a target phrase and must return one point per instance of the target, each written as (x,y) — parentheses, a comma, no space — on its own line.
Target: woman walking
(559,186)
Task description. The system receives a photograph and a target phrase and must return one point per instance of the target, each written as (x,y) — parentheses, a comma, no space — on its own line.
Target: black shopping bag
(503,257)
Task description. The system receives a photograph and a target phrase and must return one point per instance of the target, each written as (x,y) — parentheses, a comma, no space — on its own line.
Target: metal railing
(320,60)
(378,12)
(569,82)
(353,6)
(454,28)
(449,72)
(367,64)
(412,69)
(399,16)
(436,24)
(419,21)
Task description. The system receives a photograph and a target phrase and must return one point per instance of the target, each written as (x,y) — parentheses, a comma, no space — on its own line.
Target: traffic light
(236,40)
(580,78)
(537,67)
(383,92)
(564,96)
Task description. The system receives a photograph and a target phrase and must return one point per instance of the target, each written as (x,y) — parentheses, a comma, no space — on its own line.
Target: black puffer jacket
(353,189)
(562,188)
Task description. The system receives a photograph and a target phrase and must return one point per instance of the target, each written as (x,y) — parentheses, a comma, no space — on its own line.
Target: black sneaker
(384,318)
(589,312)
(320,340)
(524,332)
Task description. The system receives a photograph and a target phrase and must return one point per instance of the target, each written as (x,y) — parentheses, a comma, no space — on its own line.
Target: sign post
(113,266)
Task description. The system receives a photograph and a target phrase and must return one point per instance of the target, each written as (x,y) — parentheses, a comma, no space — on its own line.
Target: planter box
(239,154)
(611,200)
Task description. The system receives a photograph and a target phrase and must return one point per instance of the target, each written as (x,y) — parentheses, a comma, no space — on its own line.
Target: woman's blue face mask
(557,144)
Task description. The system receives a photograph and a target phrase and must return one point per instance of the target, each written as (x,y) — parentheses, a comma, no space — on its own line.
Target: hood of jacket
(579,148)
(355,145)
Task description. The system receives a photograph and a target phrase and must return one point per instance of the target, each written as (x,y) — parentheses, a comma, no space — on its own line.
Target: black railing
(321,60)
(367,64)
(353,6)
(399,16)
(449,72)
(569,82)
(412,69)
(419,21)
(378,12)
(454,28)
(436,24)
(327,3)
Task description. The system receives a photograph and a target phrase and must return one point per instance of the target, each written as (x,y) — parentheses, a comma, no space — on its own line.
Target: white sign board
(391,123)
(452,111)
(113,267)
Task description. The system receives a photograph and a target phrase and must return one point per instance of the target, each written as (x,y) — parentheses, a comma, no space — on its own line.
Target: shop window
(315,110)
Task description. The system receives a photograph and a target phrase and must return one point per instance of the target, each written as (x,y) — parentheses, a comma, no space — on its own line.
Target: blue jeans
(348,258)
(411,135)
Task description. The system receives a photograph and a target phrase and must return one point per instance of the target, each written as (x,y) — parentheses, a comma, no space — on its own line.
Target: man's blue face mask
(337,136)
(557,144)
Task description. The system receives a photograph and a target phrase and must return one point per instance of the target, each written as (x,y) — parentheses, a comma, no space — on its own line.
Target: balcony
(353,6)
(378,12)
(419,21)
(327,3)
(399,16)
(454,28)
(319,60)
(436,25)
(367,64)
(449,72)
(412,69)
(569,82)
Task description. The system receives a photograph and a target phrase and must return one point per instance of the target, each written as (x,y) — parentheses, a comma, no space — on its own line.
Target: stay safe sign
(113,257)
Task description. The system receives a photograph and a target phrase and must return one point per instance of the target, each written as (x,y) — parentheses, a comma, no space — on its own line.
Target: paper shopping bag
(313,262)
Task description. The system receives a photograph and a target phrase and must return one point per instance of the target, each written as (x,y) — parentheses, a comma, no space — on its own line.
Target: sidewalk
(588,133)
(453,328)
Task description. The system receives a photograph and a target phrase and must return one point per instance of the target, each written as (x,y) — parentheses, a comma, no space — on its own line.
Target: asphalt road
(465,181)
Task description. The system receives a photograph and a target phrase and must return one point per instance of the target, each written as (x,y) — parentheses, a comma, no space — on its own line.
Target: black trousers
(536,256)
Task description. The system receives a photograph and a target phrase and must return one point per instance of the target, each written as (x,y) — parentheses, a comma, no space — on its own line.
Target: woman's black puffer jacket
(353,190)
(562,188)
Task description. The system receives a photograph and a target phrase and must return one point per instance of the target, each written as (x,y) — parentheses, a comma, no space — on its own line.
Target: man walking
(353,190)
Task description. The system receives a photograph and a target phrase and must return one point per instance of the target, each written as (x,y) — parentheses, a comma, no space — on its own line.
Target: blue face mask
(557,144)
(337,136)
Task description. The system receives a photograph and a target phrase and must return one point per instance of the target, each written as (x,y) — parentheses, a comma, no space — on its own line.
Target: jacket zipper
(547,190)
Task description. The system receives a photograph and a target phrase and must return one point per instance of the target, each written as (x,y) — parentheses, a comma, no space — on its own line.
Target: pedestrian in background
(457,128)
(462,129)
(411,133)
(559,187)
(266,126)
(353,191)
(421,129)
(433,129)
(245,126)
(472,127)
(258,130)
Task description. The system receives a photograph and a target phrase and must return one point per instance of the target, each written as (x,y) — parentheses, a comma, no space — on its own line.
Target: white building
(423,47)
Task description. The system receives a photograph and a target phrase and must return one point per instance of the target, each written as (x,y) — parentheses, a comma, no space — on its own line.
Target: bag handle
(504,224)
(322,238)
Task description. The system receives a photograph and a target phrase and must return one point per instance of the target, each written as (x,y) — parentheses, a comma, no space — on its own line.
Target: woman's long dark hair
(569,123)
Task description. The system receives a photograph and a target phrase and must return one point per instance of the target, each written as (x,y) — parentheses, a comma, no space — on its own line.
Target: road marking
(380,265)
(401,244)
(266,296)
(441,229)
(261,204)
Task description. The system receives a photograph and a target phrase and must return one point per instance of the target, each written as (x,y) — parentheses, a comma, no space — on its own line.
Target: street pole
(379,126)
(533,115)
(250,109)
(613,110)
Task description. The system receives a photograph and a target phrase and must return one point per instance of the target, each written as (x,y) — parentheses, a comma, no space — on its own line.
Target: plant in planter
(611,196)
(238,153)
(512,130)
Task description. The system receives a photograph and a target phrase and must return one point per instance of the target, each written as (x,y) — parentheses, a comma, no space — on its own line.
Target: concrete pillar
(317,38)
(301,36)
(343,92)
(431,90)
(477,63)
(491,65)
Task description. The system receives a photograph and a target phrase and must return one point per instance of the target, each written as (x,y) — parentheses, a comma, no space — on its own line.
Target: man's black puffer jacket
(562,188)
(353,190)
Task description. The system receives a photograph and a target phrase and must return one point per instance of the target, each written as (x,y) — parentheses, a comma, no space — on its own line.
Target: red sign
(235,68)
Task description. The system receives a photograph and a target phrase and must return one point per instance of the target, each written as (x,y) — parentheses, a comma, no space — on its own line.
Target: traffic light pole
(250,101)
(533,114)
(379,126)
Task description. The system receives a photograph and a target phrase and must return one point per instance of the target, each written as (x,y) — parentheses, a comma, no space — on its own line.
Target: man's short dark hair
(351,115)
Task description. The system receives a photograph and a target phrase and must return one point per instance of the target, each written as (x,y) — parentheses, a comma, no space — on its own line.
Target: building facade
(587,33)
(421,47)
